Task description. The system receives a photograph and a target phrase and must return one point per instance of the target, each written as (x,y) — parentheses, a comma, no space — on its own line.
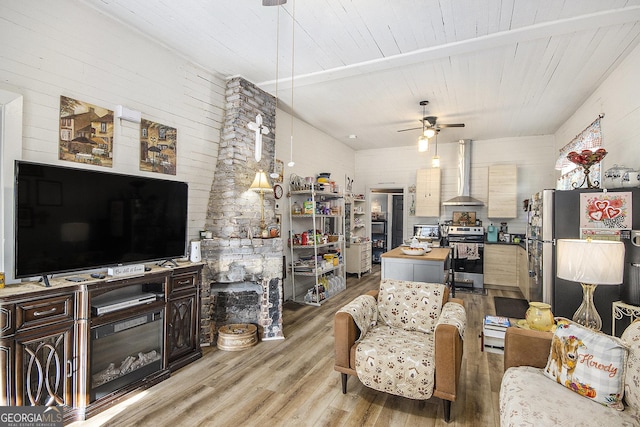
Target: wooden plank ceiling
(505,68)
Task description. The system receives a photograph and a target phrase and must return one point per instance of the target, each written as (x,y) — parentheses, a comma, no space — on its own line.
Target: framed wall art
(158,147)
(86,133)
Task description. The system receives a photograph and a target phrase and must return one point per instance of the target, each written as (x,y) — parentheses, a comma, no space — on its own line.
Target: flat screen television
(70,219)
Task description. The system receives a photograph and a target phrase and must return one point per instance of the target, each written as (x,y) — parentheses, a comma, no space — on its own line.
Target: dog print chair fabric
(405,339)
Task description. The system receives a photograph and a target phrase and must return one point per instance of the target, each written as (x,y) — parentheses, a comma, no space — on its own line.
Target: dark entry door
(398,225)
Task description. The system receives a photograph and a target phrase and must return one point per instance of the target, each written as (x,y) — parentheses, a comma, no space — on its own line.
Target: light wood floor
(291,382)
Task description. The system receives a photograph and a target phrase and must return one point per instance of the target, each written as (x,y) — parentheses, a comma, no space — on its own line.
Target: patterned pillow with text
(589,363)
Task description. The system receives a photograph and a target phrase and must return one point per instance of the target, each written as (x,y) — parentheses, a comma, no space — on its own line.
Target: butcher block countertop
(436,254)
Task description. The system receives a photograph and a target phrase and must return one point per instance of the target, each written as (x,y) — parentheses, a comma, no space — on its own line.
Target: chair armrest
(523,347)
(346,332)
(448,351)
(456,300)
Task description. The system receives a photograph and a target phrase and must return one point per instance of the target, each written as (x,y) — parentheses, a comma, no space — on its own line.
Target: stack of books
(493,330)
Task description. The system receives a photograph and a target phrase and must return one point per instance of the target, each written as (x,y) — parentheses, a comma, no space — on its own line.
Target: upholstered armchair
(404,339)
(528,396)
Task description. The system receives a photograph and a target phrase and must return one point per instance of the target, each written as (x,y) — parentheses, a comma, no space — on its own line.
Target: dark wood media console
(86,345)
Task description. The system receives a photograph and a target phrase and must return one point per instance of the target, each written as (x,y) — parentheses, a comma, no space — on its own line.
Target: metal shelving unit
(317,264)
(378,239)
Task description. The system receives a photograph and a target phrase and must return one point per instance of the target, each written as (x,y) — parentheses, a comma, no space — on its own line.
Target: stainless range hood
(464,177)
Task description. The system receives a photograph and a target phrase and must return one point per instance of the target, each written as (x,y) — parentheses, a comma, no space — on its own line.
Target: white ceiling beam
(491,41)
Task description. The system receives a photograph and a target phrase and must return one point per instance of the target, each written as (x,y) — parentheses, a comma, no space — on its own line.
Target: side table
(621,309)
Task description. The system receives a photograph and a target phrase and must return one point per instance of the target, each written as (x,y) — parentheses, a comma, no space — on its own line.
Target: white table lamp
(261,184)
(591,263)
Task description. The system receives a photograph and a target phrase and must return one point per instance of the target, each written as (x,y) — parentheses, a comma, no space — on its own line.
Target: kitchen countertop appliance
(427,233)
(492,233)
(467,256)
(444,233)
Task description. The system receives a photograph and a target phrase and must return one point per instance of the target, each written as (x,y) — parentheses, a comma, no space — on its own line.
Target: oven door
(468,257)
(467,262)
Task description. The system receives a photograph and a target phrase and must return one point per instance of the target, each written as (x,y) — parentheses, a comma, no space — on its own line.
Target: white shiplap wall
(67,48)
(313,152)
(618,97)
(386,168)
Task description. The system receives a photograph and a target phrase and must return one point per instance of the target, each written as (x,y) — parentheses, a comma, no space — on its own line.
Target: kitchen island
(431,267)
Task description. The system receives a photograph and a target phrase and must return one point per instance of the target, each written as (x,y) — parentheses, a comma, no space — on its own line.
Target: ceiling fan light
(423,144)
(429,132)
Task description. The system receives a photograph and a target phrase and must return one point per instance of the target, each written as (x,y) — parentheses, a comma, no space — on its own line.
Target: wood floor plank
(291,382)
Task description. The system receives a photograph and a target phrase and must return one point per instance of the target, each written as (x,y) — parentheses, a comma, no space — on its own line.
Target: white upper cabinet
(503,191)
(428,192)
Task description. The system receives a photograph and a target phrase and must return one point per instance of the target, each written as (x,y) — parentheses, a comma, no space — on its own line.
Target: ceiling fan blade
(404,130)
(452,125)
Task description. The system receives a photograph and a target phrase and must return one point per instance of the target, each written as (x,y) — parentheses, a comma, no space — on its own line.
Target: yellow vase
(539,316)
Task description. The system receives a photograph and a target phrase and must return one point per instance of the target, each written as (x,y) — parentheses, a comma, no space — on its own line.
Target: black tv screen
(70,219)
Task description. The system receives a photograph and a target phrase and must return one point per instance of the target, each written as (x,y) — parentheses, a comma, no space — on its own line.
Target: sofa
(529,396)
(404,339)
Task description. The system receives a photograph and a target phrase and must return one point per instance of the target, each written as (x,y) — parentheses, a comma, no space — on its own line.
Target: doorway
(387,219)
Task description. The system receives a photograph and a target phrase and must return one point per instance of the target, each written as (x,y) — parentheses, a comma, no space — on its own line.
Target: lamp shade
(597,262)
(260,182)
(423,144)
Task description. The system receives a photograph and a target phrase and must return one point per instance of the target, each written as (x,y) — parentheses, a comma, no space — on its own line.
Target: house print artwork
(158,147)
(86,133)
(606,210)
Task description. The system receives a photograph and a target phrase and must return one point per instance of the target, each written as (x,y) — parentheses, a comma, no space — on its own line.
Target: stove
(467,256)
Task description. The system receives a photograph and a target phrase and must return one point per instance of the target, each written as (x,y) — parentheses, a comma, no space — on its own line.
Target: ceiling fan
(430,122)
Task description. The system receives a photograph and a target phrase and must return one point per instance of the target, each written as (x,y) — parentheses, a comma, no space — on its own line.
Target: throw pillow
(631,337)
(413,306)
(587,362)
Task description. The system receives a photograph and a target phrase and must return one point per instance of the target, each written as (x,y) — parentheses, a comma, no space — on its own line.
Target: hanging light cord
(436,144)
(293,43)
(275,174)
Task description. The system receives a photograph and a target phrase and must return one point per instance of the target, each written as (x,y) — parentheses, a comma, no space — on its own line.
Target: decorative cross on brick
(259,130)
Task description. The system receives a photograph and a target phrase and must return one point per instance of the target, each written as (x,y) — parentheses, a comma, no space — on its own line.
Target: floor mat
(511,307)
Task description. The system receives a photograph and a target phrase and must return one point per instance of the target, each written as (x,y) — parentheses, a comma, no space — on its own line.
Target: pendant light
(293,32)
(423,141)
(275,174)
(435,160)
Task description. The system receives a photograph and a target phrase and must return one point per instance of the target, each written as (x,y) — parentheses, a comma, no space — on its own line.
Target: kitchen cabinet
(523,272)
(503,191)
(500,265)
(359,258)
(317,244)
(428,192)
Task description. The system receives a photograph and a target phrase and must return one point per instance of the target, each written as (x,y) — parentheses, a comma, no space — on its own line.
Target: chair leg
(344,383)
(447,410)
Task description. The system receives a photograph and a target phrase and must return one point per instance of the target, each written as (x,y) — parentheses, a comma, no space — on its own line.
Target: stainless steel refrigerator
(556,215)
